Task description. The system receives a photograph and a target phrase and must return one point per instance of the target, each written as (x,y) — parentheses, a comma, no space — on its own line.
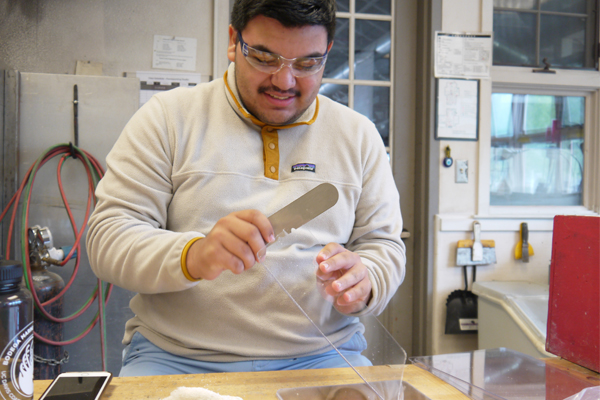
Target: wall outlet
(462,167)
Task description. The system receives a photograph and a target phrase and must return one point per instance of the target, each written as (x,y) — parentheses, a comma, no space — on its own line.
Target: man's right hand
(232,244)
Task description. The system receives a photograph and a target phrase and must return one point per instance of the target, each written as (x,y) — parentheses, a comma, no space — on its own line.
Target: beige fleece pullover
(189,157)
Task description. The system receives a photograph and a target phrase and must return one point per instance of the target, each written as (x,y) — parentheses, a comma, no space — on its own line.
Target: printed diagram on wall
(178,53)
(451,94)
(457,109)
(153,82)
(463,55)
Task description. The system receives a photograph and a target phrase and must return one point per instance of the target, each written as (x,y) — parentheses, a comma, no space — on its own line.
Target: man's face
(279,98)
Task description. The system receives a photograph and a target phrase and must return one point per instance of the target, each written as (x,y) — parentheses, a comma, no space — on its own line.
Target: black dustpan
(461,309)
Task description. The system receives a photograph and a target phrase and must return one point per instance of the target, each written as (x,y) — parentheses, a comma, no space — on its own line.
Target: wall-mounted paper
(174,53)
(463,55)
(152,82)
(457,109)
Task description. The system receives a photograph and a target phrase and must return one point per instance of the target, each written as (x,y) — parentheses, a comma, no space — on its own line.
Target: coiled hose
(102,291)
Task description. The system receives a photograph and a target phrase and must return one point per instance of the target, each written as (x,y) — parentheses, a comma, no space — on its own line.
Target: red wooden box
(574,307)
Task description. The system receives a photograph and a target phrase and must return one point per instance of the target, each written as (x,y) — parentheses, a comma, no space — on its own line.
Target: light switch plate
(462,167)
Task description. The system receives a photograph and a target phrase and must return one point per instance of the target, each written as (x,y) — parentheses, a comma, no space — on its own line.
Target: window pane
(374,102)
(562,40)
(335,92)
(382,7)
(519,4)
(372,55)
(537,150)
(337,60)
(514,38)
(571,6)
(560,31)
(343,5)
(502,115)
(540,111)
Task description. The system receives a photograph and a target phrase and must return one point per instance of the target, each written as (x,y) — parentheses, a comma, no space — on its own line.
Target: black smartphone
(77,386)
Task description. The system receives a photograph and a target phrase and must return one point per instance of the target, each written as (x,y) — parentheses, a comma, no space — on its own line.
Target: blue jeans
(142,358)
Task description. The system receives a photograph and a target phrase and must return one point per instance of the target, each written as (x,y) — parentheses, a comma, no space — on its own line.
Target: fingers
(347,278)
(244,233)
(207,258)
(259,221)
(231,245)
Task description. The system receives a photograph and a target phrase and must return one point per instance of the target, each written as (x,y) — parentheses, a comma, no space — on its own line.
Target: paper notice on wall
(152,82)
(172,52)
(457,114)
(463,55)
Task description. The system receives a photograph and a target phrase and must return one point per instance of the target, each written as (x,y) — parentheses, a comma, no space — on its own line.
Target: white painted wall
(458,205)
(461,15)
(51,36)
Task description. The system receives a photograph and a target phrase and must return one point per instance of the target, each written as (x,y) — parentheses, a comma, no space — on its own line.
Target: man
(182,210)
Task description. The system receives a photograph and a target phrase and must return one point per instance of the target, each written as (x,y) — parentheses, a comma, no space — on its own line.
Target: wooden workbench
(264,385)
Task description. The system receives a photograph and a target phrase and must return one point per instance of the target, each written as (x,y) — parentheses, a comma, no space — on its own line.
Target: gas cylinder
(47,361)
(48,358)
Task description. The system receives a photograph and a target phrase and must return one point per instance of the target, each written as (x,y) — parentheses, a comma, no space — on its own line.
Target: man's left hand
(345,278)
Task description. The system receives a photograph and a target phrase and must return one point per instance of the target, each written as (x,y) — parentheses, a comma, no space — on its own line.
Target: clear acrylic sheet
(590,393)
(502,374)
(322,319)
(354,392)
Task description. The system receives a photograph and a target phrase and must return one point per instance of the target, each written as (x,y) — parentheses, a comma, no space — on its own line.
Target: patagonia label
(304,167)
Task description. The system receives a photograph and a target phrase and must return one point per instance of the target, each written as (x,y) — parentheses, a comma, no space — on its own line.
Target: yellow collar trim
(256,121)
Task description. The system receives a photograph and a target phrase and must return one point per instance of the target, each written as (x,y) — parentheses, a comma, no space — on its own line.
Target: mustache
(282,93)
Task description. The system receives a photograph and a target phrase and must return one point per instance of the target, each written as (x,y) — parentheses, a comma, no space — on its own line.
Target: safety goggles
(272,63)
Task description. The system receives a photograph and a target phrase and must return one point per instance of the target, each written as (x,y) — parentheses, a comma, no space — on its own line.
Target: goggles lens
(271,63)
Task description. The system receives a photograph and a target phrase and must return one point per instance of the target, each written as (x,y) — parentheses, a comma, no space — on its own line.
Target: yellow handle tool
(524,248)
(469,243)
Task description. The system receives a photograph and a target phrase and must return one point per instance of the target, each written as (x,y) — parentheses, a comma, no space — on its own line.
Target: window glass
(501,115)
(562,41)
(566,6)
(539,110)
(518,4)
(374,102)
(372,54)
(560,33)
(335,92)
(337,63)
(570,6)
(537,150)
(514,38)
(343,5)
(365,85)
(383,7)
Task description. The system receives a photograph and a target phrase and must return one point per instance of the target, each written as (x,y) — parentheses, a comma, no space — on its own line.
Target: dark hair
(290,13)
